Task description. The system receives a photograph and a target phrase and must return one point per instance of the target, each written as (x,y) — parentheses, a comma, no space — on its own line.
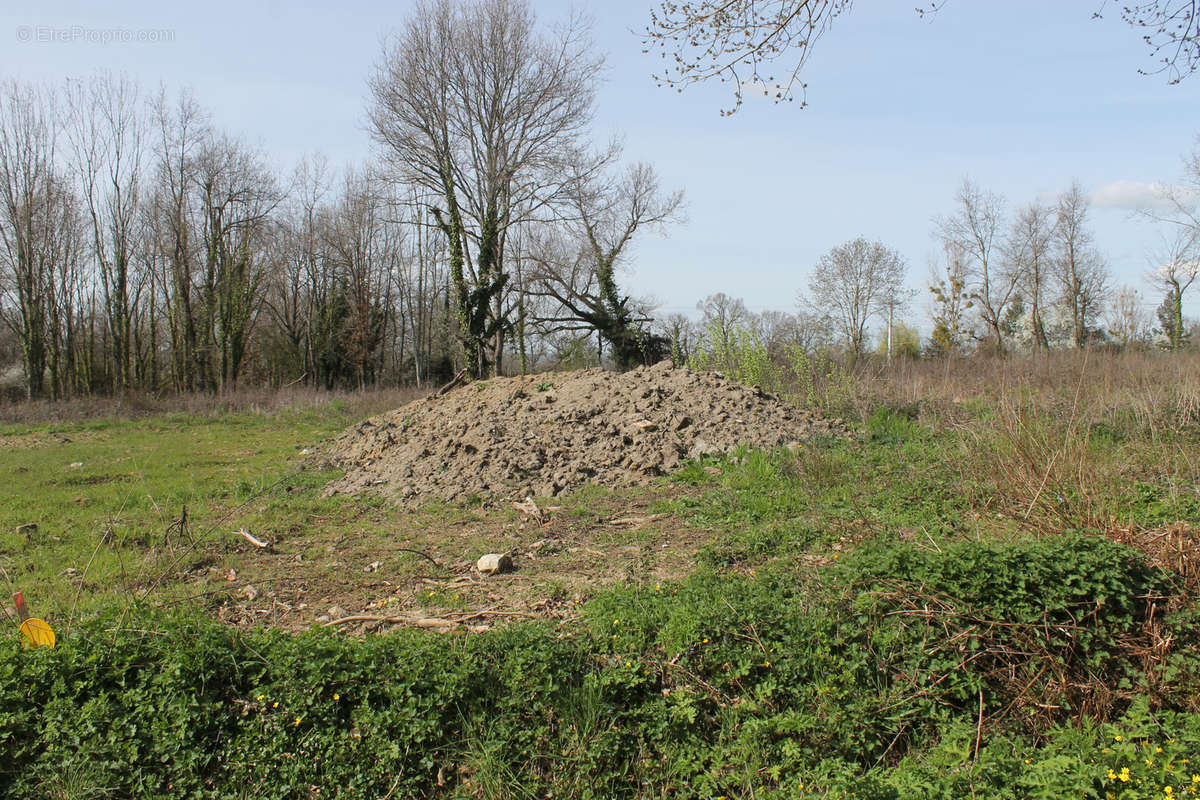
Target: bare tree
(235,194)
(853,282)
(680,332)
(1127,322)
(470,103)
(1028,251)
(1079,268)
(606,213)
(735,40)
(974,230)
(107,133)
(181,128)
(721,317)
(37,223)
(295,284)
(812,329)
(366,251)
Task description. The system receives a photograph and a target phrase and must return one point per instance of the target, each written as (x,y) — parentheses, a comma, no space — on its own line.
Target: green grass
(104,496)
(922,610)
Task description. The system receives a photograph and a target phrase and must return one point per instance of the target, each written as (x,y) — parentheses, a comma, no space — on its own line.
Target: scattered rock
(336,612)
(496,440)
(494,563)
(249,592)
(75,464)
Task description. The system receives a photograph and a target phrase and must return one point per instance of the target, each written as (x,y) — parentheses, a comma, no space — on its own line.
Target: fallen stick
(419,622)
(456,380)
(487,613)
(638,521)
(259,543)
(530,507)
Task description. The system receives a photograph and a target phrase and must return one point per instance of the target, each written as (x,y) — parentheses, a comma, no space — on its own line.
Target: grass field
(988,591)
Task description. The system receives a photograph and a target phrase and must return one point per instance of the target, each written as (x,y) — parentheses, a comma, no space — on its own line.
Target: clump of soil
(547,434)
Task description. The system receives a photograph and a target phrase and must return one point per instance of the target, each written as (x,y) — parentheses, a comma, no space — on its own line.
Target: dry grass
(139,405)
(1160,390)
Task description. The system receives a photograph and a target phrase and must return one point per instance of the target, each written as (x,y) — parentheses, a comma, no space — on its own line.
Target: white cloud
(1132,196)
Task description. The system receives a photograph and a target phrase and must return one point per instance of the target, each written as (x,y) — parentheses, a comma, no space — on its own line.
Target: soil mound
(547,434)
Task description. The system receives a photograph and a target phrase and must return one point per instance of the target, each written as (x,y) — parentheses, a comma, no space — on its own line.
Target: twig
(259,543)
(979,726)
(135,630)
(420,622)
(178,525)
(421,554)
(530,507)
(490,613)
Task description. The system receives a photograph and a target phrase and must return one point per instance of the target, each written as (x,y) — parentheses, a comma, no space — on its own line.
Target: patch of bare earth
(422,572)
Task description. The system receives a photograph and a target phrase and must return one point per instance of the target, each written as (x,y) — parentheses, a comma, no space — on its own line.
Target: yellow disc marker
(34,632)
(37,633)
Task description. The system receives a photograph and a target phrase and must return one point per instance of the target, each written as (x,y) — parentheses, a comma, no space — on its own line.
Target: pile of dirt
(547,434)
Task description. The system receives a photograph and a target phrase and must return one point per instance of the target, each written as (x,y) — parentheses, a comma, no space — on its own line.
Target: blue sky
(1021,96)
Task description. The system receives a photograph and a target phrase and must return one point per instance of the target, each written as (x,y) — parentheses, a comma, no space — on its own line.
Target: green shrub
(864,679)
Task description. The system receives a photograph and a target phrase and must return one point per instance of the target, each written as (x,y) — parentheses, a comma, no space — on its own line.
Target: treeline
(1007,281)
(144,248)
